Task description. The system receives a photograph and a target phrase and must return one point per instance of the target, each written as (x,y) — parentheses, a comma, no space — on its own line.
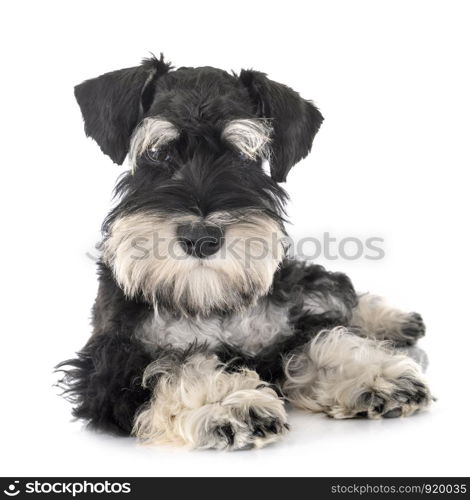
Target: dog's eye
(159,155)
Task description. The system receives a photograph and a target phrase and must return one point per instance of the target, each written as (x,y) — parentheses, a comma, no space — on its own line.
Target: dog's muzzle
(195,265)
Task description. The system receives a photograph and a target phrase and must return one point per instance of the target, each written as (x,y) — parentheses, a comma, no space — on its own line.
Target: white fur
(152,133)
(144,253)
(374,318)
(249,136)
(342,374)
(191,403)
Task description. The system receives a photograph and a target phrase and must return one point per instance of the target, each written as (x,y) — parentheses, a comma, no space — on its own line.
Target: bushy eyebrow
(151,133)
(250,136)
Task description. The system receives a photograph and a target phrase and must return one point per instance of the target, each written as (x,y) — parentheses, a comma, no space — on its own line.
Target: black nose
(200,240)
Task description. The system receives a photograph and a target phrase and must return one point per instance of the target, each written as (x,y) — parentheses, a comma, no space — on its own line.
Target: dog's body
(202,326)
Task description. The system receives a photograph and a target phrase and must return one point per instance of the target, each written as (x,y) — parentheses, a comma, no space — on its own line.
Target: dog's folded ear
(112,104)
(295,121)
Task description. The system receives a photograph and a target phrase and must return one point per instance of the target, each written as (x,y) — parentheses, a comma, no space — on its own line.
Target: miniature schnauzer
(203,329)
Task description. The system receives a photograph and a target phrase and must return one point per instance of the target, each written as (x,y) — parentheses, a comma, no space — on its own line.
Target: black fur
(295,120)
(105,381)
(114,103)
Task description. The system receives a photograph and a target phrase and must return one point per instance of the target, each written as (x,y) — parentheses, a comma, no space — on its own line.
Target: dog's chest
(250,330)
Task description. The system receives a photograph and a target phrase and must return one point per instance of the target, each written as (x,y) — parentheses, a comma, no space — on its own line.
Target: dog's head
(199,223)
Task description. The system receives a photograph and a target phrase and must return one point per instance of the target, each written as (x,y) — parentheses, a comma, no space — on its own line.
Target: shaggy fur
(345,376)
(199,403)
(202,326)
(375,319)
(144,252)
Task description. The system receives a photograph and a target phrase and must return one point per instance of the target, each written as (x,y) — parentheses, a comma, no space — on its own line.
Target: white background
(391,160)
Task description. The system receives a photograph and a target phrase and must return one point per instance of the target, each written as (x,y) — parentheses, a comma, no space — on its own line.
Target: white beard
(146,259)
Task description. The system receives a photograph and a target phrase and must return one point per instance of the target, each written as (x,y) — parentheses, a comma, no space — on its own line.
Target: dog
(203,329)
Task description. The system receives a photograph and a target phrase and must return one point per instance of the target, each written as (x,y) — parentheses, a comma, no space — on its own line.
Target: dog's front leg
(197,402)
(373,318)
(347,376)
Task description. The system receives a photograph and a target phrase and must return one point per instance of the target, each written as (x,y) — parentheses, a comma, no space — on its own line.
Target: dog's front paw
(245,419)
(373,318)
(202,405)
(412,328)
(387,398)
